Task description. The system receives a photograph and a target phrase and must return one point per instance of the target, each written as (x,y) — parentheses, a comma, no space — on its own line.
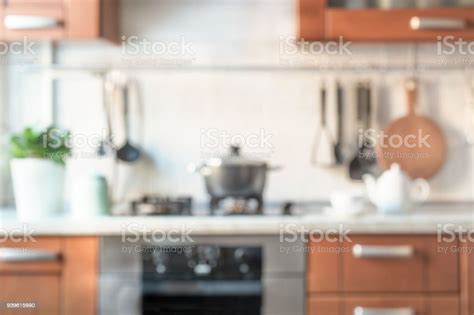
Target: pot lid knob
(235,151)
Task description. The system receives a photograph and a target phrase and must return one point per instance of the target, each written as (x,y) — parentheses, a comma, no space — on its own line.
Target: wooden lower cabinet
(37,294)
(467,278)
(50,275)
(440,305)
(380,273)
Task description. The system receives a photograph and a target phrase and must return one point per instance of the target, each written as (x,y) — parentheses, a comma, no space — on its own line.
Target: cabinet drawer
(395,25)
(35,2)
(321,305)
(34,21)
(383,264)
(383,305)
(42,290)
(324,271)
(40,256)
(399,264)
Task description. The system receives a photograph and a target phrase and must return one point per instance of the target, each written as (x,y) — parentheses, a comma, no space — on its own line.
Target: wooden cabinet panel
(346,305)
(420,305)
(324,305)
(88,19)
(425,271)
(332,267)
(324,267)
(470,277)
(36,2)
(386,303)
(71,19)
(393,25)
(81,267)
(51,245)
(80,11)
(433,277)
(318,21)
(443,306)
(53,12)
(42,290)
(310,19)
(68,284)
(467,278)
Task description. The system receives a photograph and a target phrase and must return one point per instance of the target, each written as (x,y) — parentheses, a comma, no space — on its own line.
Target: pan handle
(275,168)
(202,169)
(411,87)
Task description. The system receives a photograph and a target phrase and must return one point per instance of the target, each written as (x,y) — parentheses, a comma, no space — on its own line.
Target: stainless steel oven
(246,274)
(201,279)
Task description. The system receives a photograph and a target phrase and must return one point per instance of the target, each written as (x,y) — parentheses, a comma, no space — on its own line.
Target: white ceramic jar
(89,196)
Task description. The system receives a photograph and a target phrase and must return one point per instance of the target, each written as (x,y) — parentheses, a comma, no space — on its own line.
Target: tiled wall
(242,83)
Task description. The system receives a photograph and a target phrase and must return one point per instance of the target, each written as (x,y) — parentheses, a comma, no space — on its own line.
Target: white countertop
(427,219)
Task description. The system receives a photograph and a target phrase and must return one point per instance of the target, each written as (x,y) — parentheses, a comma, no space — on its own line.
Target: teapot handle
(421,190)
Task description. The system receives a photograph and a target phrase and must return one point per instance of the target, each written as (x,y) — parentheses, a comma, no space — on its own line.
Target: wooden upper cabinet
(60,19)
(319,20)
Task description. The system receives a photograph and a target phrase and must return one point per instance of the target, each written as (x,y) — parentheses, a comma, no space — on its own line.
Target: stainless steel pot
(233,176)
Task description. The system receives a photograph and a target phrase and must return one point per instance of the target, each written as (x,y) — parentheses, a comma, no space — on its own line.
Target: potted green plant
(37,167)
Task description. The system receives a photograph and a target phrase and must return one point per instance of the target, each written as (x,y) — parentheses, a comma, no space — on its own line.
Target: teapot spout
(371,184)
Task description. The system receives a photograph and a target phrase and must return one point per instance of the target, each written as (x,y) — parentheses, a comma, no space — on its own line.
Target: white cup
(348,202)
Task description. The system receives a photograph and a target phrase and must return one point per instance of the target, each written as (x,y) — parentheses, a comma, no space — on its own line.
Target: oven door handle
(202,287)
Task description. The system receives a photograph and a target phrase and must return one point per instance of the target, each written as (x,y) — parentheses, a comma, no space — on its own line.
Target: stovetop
(155,205)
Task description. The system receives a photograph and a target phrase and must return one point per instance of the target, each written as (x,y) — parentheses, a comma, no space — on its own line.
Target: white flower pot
(38,187)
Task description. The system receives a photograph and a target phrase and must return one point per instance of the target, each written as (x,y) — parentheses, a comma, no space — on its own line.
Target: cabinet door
(383,305)
(401,305)
(470,298)
(36,2)
(41,255)
(467,277)
(33,21)
(29,294)
(30,273)
(324,270)
(319,305)
(399,264)
(399,25)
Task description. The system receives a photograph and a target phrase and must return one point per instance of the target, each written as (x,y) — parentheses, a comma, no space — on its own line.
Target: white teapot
(395,192)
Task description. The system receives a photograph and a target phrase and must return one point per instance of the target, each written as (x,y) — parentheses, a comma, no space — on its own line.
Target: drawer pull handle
(25,22)
(27,255)
(427,23)
(371,251)
(383,311)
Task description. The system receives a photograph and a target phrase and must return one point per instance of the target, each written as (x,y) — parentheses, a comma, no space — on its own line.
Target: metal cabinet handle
(383,311)
(431,23)
(23,22)
(371,251)
(26,255)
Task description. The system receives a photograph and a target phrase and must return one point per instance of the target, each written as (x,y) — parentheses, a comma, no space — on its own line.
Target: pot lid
(235,158)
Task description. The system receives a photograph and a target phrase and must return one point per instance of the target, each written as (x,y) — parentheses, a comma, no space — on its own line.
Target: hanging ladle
(127,153)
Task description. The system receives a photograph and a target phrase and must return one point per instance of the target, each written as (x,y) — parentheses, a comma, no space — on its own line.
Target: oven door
(201,297)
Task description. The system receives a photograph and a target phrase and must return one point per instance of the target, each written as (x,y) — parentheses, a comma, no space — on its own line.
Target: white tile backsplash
(179,104)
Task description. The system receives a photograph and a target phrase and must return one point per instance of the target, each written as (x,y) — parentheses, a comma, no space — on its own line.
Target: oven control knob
(208,253)
(244,268)
(161,269)
(202,269)
(240,254)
